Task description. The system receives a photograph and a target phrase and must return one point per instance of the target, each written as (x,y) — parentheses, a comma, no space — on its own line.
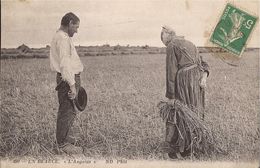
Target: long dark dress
(184,69)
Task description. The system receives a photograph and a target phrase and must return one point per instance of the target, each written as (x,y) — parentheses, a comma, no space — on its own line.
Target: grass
(121,119)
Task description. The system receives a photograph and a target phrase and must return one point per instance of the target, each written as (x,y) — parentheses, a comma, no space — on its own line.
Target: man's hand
(203,80)
(72,93)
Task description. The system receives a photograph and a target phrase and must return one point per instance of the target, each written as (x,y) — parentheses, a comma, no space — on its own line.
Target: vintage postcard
(129,83)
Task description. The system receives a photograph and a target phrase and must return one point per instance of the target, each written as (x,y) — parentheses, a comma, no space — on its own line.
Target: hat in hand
(81,99)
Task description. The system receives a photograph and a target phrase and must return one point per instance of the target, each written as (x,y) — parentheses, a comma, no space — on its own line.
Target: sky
(123,22)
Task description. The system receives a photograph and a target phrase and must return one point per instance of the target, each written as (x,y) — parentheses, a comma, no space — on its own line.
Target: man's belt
(75,74)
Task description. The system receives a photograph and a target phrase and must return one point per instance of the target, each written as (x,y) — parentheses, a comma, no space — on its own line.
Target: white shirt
(64,57)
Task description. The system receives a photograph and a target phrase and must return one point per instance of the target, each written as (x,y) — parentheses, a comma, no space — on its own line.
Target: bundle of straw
(193,135)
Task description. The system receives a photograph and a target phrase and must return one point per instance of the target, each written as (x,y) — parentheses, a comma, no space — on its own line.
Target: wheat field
(121,119)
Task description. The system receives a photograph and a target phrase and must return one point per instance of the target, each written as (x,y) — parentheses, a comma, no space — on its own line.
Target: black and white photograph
(130,83)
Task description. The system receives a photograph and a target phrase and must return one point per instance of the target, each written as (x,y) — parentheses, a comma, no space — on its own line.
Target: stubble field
(121,119)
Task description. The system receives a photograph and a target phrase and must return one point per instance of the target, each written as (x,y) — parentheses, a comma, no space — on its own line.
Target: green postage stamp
(233,29)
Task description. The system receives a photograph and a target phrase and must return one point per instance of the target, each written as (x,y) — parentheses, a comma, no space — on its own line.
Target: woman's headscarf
(167,34)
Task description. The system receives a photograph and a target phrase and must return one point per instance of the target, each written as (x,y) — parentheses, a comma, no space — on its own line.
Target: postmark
(233,30)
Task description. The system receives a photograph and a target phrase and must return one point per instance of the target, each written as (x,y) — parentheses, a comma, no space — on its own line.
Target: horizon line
(100,45)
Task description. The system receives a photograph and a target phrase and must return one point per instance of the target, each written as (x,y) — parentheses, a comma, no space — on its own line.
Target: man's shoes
(71,149)
(72,140)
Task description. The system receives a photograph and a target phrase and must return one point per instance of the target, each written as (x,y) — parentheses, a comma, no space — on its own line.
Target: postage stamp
(233,29)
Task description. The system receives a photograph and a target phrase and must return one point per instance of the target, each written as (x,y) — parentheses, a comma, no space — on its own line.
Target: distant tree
(23,48)
(145,47)
(117,47)
(106,45)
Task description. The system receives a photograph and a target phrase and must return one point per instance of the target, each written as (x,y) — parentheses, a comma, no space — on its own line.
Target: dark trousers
(66,112)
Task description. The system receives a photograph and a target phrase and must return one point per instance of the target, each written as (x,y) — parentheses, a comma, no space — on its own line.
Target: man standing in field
(65,61)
